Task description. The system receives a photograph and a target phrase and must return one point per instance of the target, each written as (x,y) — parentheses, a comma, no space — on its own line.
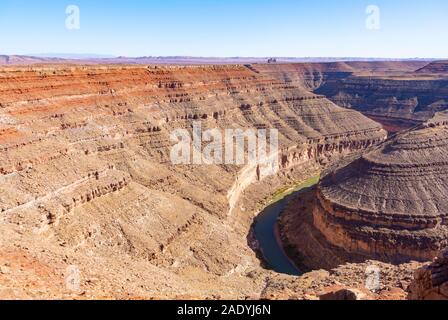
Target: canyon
(87,183)
(389,205)
(397,95)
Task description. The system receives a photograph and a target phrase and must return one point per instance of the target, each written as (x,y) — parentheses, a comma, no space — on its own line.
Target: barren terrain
(87,183)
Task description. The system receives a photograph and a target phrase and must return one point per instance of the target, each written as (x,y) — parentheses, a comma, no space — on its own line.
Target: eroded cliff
(87,182)
(431,281)
(389,205)
(399,95)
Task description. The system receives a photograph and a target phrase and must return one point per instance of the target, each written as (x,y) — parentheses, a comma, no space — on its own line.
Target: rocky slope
(389,205)
(355,278)
(435,67)
(314,75)
(392,93)
(431,281)
(401,98)
(26,60)
(87,183)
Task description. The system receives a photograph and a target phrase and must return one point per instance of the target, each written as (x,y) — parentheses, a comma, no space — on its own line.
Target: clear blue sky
(295,28)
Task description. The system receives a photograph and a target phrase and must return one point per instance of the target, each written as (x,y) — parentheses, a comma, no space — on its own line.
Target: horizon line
(99,56)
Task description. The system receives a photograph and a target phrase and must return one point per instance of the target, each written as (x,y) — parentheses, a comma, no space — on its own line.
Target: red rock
(431,282)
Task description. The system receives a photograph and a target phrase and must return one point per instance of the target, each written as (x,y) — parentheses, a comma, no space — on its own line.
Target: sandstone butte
(389,205)
(87,183)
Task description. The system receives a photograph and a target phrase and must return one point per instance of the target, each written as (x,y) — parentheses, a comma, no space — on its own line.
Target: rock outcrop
(389,205)
(314,75)
(398,95)
(401,98)
(86,178)
(435,67)
(431,282)
(346,282)
(344,295)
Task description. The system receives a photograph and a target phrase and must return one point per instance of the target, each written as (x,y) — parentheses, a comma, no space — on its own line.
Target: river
(266,226)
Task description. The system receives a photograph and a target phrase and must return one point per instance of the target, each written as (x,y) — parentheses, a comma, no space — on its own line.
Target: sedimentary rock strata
(314,75)
(86,177)
(334,284)
(399,95)
(431,281)
(391,203)
(395,97)
(435,67)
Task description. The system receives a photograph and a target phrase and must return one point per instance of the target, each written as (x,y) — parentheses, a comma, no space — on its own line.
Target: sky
(227,28)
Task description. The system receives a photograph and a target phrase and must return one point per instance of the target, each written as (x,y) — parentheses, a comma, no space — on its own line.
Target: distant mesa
(86,166)
(73,58)
(431,282)
(86,172)
(435,67)
(24,60)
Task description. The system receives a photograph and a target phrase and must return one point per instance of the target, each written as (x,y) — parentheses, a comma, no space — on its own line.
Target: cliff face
(86,178)
(314,75)
(436,67)
(393,98)
(392,93)
(431,281)
(389,205)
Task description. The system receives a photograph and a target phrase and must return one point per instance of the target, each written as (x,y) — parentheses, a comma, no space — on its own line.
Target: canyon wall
(399,95)
(431,281)
(436,67)
(393,98)
(313,75)
(86,177)
(389,205)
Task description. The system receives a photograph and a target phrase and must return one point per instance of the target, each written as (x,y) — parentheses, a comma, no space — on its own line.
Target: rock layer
(391,203)
(399,95)
(86,178)
(399,98)
(435,68)
(431,282)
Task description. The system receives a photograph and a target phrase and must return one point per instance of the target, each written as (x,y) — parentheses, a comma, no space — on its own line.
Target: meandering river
(266,230)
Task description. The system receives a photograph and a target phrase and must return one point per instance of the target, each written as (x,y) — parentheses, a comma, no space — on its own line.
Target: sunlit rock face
(399,95)
(436,67)
(391,99)
(391,204)
(86,177)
